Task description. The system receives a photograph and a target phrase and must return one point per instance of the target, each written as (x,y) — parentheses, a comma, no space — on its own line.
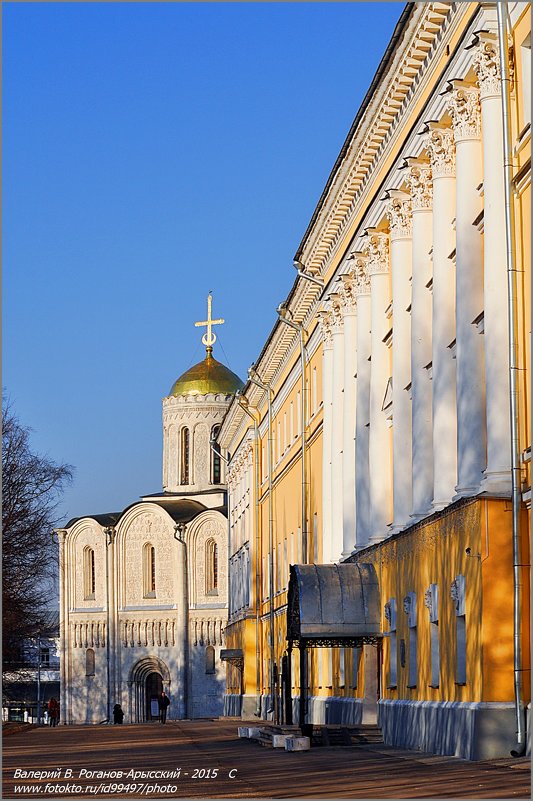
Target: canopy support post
(303,682)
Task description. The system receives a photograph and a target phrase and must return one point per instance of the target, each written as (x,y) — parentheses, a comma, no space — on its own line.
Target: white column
(441,147)
(379,448)
(420,186)
(497,477)
(399,215)
(470,358)
(327,384)
(362,474)
(337,427)
(349,306)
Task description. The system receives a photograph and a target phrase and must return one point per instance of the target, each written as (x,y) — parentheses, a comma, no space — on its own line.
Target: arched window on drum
(216,460)
(185,456)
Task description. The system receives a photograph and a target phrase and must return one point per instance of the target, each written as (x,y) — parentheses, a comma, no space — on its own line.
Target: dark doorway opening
(154,688)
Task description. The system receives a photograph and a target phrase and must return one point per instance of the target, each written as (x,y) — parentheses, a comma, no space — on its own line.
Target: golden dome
(207,377)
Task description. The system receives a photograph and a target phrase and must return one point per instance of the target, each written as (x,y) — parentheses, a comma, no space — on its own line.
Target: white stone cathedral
(143,593)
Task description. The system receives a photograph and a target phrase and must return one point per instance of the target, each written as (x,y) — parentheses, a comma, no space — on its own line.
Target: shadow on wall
(207,682)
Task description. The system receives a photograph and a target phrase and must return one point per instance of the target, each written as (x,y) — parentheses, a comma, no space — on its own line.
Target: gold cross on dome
(209,338)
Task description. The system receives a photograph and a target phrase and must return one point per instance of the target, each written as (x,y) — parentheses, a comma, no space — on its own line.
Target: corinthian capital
(337,311)
(399,215)
(326,325)
(360,274)
(486,65)
(420,183)
(378,253)
(347,291)
(440,144)
(465,110)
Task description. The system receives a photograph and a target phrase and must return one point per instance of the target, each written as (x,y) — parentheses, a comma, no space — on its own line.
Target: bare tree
(31,488)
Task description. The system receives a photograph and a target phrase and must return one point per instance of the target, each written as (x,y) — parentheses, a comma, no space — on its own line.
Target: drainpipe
(254,378)
(243,403)
(283,313)
(503,34)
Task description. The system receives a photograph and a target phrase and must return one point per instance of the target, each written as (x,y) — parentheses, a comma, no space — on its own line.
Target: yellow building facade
(386,423)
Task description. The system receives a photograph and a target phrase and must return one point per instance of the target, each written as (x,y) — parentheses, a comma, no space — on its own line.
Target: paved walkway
(206,759)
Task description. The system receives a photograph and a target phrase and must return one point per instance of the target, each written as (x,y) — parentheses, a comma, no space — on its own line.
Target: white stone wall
(164,633)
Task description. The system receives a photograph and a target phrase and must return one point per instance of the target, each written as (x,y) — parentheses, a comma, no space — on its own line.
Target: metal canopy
(334,605)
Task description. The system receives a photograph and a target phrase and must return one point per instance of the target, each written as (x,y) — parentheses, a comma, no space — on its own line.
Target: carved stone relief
(465,110)
(440,144)
(92,537)
(148,527)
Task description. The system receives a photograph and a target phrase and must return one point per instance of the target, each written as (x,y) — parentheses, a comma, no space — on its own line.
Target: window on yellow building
(525,53)
(432,602)
(291,421)
(409,605)
(390,615)
(356,657)
(342,667)
(458,594)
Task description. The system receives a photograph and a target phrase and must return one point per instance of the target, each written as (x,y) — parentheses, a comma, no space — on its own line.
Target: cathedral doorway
(153,689)
(147,679)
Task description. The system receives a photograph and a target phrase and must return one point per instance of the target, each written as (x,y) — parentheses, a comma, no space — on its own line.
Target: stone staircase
(332,735)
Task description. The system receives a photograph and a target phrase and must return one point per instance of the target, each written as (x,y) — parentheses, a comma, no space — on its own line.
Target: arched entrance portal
(148,678)
(153,689)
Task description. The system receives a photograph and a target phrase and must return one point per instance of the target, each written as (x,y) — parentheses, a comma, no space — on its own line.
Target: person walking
(53,711)
(118,714)
(164,703)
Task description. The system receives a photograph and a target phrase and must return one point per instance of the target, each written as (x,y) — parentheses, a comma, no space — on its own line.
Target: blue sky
(153,152)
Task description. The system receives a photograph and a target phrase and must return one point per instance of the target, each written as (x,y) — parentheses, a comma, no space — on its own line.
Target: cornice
(411,60)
